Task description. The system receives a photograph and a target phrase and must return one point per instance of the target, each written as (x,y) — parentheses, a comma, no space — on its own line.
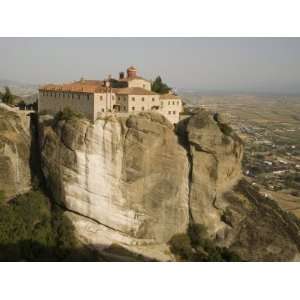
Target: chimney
(121,75)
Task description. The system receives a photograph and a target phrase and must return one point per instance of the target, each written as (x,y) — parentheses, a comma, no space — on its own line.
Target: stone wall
(53,102)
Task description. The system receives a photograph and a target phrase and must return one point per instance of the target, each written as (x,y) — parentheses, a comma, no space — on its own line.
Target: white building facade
(93,98)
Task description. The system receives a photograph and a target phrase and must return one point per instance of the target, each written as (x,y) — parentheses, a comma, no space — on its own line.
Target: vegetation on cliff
(158,86)
(7,97)
(67,114)
(32,230)
(196,246)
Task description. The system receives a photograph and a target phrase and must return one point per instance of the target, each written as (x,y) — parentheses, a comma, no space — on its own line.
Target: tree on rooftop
(158,86)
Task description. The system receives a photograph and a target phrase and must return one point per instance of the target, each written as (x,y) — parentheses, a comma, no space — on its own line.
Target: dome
(131,72)
(132,68)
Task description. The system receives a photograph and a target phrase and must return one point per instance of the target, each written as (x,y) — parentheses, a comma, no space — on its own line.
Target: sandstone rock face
(15,144)
(215,155)
(258,229)
(129,174)
(135,181)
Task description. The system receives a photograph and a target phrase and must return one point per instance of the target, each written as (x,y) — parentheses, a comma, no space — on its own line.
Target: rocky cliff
(128,175)
(15,153)
(134,181)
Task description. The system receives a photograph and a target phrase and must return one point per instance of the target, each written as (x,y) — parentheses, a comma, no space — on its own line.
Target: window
(72,96)
(170,112)
(102,109)
(144,86)
(133,99)
(133,108)
(124,107)
(78,96)
(177,102)
(169,102)
(174,112)
(113,97)
(119,98)
(87,96)
(101,97)
(153,99)
(143,99)
(143,108)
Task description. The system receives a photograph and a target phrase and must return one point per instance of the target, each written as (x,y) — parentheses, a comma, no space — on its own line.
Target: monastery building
(93,98)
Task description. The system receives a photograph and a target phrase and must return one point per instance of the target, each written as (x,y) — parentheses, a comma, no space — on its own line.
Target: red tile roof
(87,86)
(93,86)
(168,97)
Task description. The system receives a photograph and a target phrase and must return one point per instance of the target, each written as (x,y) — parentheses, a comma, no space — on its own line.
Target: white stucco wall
(141,83)
(92,105)
(171,108)
(142,102)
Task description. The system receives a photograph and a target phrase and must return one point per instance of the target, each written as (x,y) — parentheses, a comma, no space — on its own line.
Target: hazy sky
(209,64)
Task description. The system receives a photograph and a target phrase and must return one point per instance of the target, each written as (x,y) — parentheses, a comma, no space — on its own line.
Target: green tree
(7,97)
(67,114)
(180,245)
(158,86)
(198,234)
(21,104)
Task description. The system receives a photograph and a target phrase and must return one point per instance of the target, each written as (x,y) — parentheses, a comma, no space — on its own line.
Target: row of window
(124,99)
(173,102)
(112,97)
(87,96)
(65,95)
(174,112)
(133,109)
(143,99)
